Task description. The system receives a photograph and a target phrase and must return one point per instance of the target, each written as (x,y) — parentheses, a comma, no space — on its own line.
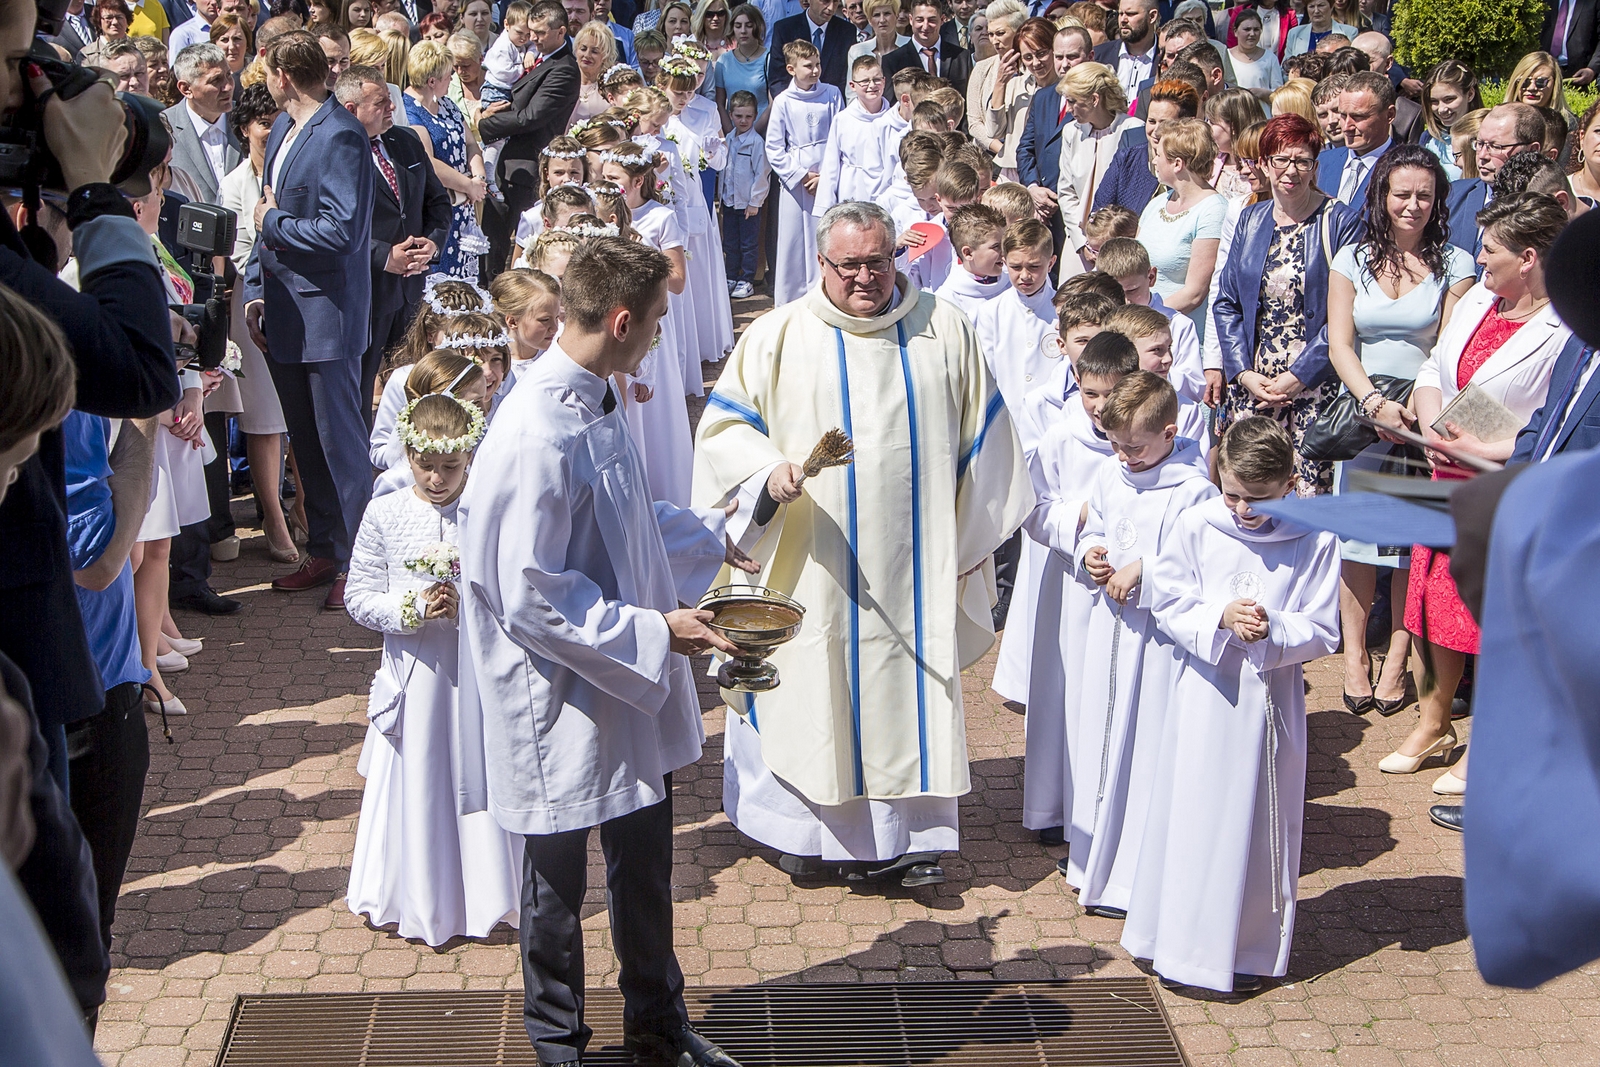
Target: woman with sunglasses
(1536,80)
(712,27)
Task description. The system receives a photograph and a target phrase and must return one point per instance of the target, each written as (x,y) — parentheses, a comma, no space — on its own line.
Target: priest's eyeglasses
(875,268)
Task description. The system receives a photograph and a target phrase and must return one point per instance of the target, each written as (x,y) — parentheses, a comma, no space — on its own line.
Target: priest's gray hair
(856,213)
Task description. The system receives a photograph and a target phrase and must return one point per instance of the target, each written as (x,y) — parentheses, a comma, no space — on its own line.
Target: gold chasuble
(869,703)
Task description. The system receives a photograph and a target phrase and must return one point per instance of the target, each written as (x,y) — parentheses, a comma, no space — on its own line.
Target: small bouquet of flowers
(440,561)
(233,359)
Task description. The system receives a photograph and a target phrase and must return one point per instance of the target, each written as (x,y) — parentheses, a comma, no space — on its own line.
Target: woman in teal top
(744,66)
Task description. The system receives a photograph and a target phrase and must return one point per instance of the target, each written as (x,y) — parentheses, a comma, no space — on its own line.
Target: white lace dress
(417,863)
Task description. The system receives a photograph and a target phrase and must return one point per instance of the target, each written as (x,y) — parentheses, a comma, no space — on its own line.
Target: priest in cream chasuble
(860,753)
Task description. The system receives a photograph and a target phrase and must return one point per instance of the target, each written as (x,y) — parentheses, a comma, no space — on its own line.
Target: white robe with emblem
(1214,894)
(1065,467)
(856,163)
(797,133)
(1128,665)
(860,753)
(577,706)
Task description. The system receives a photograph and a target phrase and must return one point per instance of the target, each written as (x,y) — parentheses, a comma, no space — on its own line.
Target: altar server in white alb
(858,161)
(584,702)
(857,759)
(797,134)
(1248,599)
(1065,468)
(977,233)
(417,863)
(1128,662)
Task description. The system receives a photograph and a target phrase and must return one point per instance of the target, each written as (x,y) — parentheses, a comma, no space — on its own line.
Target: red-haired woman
(1273,301)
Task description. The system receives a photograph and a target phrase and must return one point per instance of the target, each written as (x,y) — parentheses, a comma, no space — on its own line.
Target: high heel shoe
(185,646)
(1399,763)
(284,555)
(299,533)
(1359,705)
(1407,697)
(172,662)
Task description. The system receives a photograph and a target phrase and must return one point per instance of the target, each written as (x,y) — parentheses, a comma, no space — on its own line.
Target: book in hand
(1456,456)
(1476,412)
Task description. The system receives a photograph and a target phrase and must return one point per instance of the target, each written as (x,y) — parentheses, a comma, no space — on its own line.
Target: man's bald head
(1379,49)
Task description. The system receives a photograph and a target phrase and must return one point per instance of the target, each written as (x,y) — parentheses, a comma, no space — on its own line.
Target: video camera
(26,161)
(207,231)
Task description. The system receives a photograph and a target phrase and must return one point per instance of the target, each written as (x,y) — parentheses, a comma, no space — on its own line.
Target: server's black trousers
(638,852)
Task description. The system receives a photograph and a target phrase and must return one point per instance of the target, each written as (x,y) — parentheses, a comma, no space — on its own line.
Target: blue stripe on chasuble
(855,577)
(996,404)
(916,555)
(750,710)
(738,411)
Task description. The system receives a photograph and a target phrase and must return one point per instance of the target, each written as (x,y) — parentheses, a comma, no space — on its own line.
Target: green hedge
(1578,100)
(1488,35)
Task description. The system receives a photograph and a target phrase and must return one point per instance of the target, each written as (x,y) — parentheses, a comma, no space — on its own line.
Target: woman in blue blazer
(1271,311)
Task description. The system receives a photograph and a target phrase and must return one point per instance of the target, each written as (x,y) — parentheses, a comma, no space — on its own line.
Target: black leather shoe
(1105,911)
(1247,983)
(687,1047)
(1061,866)
(1053,837)
(206,602)
(1447,816)
(922,874)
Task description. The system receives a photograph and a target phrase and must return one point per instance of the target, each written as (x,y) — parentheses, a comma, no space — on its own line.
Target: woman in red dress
(1503,338)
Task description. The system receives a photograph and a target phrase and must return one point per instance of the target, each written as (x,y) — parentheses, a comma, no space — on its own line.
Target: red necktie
(1061,116)
(387,168)
(933,66)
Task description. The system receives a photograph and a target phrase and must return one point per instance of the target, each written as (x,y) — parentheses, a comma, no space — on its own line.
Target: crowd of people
(1085,283)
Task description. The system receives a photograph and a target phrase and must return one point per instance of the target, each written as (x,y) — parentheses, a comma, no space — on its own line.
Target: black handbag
(1336,435)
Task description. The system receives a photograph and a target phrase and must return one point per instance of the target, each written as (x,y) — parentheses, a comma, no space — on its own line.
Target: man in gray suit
(203,146)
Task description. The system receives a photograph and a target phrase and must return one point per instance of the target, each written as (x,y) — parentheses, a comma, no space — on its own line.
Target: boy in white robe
(1248,600)
(977,234)
(1064,469)
(797,134)
(1151,333)
(581,701)
(1078,318)
(1128,661)
(1017,329)
(856,164)
(1129,262)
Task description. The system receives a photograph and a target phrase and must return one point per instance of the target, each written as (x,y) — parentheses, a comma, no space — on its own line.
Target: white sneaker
(743,291)
(172,662)
(185,646)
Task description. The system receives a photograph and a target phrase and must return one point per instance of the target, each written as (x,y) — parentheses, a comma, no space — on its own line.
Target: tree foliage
(1488,35)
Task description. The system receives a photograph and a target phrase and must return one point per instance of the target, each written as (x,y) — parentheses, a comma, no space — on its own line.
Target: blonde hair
(1011,199)
(1524,72)
(1189,140)
(872,5)
(538,252)
(1137,321)
(1293,97)
(1122,257)
(514,291)
(434,372)
(426,61)
(1462,131)
(598,33)
(1096,79)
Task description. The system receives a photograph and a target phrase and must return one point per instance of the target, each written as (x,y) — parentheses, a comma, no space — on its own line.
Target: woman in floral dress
(457,158)
(1272,304)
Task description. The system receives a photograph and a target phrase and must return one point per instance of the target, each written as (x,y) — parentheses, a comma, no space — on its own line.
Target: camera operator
(120,333)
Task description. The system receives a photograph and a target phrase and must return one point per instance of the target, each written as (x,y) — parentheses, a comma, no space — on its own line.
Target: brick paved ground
(237,879)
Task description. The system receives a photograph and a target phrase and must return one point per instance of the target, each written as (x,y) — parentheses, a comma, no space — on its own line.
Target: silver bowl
(757,620)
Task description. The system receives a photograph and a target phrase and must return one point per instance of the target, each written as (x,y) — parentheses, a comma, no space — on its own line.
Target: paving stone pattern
(237,879)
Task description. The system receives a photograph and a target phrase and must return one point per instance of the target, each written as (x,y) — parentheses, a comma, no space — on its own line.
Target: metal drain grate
(1089,1022)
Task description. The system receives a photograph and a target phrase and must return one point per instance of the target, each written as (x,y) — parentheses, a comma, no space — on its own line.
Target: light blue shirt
(733,74)
(1394,336)
(1171,242)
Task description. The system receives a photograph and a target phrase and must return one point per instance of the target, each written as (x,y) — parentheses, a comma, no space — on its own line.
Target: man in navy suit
(410,214)
(819,21)
(1039,147)
(1366,113)
(930,47)
(308,299)
(1506,130)
(1570,34)
(1569,421)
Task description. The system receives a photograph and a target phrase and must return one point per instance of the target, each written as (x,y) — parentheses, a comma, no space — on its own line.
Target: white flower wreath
(680,65)
(626,158)
(554,153)
(417,441)
(436,305)
(477,340)
(589,229)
